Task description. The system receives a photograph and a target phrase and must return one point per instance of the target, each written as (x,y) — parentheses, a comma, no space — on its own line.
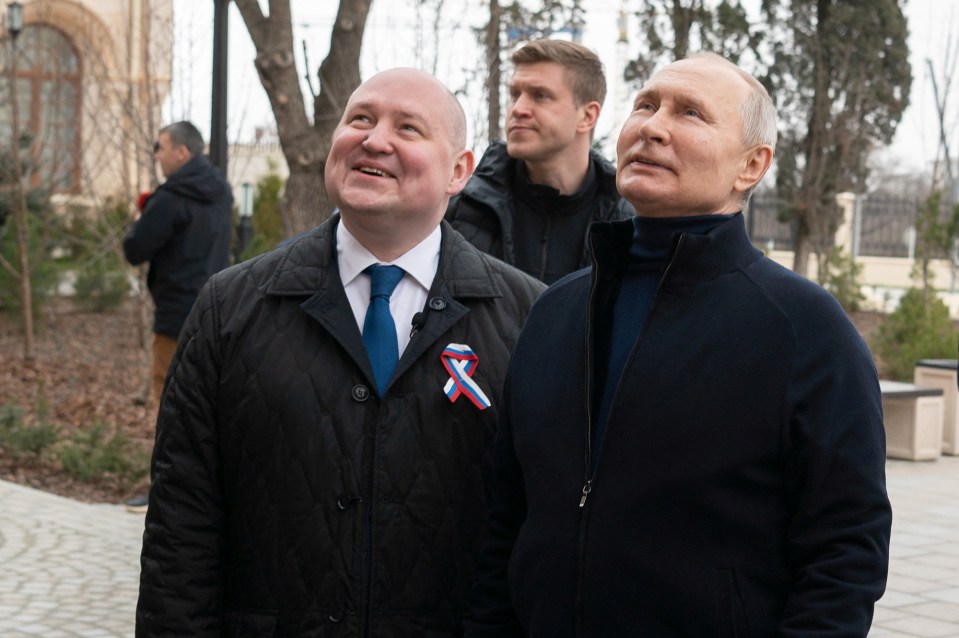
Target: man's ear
(758,160)
(589,117)
(462,170)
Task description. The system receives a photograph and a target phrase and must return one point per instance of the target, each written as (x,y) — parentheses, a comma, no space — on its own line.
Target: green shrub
(44,276)
(267,221)
(20,439)
(919,328)
(842,279)
(102,284)
(92,453)
(91,240)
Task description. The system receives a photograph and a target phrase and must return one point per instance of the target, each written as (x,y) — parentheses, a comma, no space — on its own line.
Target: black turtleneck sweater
(654,240)
(549,229)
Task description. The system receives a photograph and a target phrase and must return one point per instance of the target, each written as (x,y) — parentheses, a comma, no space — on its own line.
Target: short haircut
(457,120)
(583,67)
(183,133)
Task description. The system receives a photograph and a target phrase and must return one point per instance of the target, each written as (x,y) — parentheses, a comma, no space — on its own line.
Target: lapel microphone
(419,320)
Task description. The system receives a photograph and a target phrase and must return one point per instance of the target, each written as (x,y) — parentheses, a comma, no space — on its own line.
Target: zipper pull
(586,490)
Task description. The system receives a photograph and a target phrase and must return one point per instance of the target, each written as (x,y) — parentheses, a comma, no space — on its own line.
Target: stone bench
(941,373)
(912,415)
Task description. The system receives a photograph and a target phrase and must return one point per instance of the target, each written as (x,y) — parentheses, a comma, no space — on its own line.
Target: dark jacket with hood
(288,499)
(184,232)
(739,489)
(485,209)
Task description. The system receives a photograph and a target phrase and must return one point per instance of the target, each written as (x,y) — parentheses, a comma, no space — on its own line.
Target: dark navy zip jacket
(739,489)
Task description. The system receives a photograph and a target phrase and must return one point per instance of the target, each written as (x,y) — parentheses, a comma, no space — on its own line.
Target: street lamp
(244,232)
(14,18)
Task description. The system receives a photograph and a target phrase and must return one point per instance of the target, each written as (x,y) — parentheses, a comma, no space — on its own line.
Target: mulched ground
(92,367)
(88,368)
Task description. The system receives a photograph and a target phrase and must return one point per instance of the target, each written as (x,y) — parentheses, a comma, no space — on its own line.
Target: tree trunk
(305,145)
(494,77)
(802,245)
(20,219)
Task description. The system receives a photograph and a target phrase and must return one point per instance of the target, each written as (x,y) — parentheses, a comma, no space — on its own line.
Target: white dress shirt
(419,263)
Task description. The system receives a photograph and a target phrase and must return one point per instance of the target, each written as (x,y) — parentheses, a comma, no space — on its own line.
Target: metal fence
(765,228)
(885,224)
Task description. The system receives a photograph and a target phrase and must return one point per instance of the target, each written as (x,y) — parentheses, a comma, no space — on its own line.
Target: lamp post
(218,107)
(244,232)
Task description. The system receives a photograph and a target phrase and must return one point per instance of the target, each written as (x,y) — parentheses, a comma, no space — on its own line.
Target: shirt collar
(420,262)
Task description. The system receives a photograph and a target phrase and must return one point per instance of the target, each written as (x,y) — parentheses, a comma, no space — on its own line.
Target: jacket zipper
(590,478)
(544,248)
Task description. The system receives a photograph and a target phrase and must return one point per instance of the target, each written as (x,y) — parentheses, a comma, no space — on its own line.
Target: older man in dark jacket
(704,454)
(301,488)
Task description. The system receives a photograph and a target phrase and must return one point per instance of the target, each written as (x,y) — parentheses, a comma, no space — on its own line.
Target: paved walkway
(69,569)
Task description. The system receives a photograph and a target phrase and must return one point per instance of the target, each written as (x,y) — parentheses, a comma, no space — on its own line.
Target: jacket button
(336,616)
(437,303)
(343,502)
(361,393)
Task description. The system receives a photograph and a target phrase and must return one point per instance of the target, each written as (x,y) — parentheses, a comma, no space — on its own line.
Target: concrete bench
(941,373)
(912,415)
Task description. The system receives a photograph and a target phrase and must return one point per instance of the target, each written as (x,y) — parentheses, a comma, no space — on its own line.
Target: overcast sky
(390,41)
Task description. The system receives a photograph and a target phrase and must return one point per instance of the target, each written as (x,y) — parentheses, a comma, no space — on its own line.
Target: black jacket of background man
(484,212)
(184,233)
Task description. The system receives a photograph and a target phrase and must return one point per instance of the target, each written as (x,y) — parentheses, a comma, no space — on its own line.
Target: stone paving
(70,569)
(66,568)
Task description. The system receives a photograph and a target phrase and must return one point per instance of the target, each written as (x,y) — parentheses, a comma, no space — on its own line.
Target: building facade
(81,88)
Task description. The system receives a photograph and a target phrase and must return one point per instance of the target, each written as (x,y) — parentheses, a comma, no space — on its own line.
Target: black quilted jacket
(287,499)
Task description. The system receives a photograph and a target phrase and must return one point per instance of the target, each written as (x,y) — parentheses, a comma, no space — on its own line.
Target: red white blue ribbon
(460,361)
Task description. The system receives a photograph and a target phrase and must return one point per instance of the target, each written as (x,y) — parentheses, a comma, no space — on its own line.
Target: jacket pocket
(731,620)
(247,624)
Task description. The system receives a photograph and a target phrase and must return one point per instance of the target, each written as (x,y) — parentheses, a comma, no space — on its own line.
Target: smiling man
(323,451)
(531,199)
(691,442)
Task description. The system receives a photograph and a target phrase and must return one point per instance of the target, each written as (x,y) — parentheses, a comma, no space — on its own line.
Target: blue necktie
(379,330)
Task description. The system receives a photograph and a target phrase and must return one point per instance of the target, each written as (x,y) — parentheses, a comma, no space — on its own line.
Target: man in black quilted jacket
(532,198)
(317,474)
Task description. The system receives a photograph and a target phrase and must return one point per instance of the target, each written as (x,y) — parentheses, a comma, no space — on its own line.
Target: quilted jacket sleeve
(180,581)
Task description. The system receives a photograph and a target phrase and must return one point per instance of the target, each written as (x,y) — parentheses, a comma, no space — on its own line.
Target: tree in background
(673,29)
(837,70)
(937,231)
(840,76)
(510,26)
(305,140)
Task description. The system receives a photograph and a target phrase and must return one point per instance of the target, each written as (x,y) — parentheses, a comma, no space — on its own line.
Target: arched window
(48,77)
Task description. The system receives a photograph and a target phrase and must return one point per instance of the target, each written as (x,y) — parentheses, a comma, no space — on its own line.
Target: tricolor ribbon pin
(460,361)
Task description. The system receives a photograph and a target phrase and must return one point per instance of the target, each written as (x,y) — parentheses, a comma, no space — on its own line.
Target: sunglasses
(156,147)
